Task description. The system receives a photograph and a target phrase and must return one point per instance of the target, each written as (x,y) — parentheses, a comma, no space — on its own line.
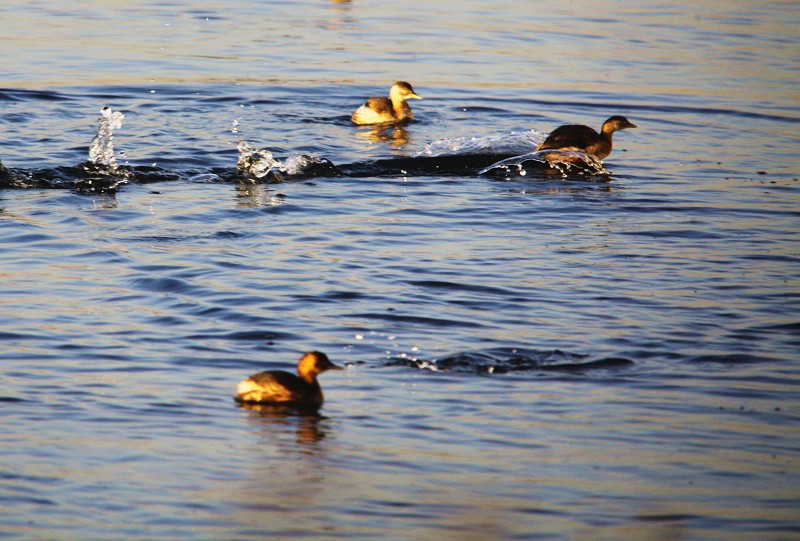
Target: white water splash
(101,151)
(565,162)
(505,143)
(255,163)
(299,164)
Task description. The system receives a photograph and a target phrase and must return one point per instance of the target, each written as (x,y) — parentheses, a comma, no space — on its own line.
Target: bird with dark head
(585,139)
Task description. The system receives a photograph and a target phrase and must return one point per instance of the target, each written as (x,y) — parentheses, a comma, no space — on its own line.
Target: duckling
(391,110)
(284,389)
(584,138)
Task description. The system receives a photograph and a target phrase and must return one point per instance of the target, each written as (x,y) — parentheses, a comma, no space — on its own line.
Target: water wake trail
(506,156)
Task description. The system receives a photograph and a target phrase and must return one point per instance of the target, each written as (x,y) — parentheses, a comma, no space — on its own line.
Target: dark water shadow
(506,360)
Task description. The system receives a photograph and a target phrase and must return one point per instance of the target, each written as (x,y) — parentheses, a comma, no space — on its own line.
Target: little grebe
(282,388)
(389,110)
(584,138)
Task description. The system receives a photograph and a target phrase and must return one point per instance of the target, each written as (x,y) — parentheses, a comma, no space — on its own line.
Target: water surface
(528,357)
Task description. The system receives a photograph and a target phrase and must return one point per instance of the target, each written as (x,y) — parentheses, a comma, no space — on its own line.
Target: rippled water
(609,357)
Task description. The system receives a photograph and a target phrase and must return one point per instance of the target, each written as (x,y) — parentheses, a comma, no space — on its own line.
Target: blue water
(610,357)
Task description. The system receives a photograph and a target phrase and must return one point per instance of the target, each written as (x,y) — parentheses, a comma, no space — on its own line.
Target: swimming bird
(584,138)
(391,110)
(284,389)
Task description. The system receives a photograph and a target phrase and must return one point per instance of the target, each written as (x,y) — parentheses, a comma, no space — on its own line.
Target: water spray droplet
(101,150)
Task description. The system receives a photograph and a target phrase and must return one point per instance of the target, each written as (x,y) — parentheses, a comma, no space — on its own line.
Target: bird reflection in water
(396,136)
(276,419)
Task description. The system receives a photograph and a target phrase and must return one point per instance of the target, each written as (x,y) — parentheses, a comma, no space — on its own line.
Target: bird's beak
(415,96)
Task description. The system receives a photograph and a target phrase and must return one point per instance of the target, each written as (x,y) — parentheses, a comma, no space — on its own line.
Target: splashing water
(495,154)
(563,162)
(256,164)
(305,165)
(520,146)
(506,143)
(100,174)
(101,151)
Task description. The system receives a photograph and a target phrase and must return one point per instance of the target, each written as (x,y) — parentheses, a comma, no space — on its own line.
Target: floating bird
(281,388)
(391,110)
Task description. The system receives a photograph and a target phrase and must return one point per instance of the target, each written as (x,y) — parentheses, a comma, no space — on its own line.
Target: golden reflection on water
(396,136)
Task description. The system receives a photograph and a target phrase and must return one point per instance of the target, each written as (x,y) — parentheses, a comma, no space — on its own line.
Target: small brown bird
(281,388)
(585,139)
(391,110)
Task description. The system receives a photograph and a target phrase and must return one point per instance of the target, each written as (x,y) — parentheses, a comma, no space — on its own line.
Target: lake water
(528,357)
